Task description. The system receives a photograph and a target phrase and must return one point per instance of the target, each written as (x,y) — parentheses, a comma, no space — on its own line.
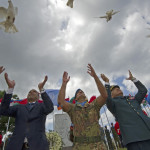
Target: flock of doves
(9,15)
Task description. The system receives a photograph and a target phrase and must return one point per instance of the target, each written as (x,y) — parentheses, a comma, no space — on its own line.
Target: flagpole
(110,127)
(6,131)
(104,132)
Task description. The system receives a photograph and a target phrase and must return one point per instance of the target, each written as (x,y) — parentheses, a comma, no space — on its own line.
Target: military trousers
(141,145)
(89,146)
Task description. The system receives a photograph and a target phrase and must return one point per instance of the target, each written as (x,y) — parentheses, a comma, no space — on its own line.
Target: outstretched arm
(141,88)
(103,93)
(6,110)
(109,102)
(61,96)
(48,105)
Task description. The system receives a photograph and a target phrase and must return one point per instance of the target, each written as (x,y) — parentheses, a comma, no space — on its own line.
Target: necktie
(31,105)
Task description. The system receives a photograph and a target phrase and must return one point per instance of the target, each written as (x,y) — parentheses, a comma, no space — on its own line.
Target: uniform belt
(89,139)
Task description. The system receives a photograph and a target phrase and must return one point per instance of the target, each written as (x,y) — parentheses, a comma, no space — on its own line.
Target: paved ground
(67,148)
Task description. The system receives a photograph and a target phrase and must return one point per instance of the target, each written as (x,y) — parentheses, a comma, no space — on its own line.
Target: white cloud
(130,87)
(68,47)
(106,118)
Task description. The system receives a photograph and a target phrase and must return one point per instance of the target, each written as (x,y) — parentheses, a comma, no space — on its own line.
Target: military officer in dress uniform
(134,124)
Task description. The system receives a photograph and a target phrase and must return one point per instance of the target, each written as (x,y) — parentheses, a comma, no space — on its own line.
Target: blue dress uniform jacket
(134,124)
(29,123)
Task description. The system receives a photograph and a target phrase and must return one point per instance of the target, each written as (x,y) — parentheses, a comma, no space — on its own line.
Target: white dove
(109,15)
(70,3)
(9,14)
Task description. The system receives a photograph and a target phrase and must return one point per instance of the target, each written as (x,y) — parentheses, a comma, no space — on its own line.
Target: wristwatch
(42,90)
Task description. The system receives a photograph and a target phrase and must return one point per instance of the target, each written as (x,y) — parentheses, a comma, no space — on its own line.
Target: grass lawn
(122,149)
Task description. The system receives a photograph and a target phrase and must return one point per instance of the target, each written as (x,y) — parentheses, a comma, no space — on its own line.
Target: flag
(67,99)
(147,98)
(144,112)
(92,99)
(20,101)
(72,100)
(59,107)
(53,94)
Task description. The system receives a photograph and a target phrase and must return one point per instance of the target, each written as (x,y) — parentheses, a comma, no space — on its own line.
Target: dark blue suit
(29,123)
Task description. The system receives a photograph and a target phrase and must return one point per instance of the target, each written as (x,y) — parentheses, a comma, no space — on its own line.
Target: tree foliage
(4,120)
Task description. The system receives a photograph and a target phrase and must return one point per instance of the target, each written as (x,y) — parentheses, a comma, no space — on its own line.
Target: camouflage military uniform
(86,129)
(90,146)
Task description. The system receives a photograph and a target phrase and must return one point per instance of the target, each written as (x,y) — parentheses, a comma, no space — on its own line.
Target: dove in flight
(70,3)
(9,16)
(109,15)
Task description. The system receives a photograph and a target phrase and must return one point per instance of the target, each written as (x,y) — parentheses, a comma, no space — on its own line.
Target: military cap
(114,86)
(77,92)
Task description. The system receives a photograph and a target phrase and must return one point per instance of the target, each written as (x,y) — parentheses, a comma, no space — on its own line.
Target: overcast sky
(54,38)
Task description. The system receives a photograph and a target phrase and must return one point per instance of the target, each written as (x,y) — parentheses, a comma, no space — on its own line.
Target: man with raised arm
(134,124)
(29,132)
(84,116)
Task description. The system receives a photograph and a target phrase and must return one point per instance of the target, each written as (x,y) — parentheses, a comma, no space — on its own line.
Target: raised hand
(41,85)
(10,83)
(1,69)
(91,70)
(130,76)
(70,3)
(104,78)
(66,78)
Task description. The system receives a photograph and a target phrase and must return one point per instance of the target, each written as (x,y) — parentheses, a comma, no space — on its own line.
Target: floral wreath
(55,141)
